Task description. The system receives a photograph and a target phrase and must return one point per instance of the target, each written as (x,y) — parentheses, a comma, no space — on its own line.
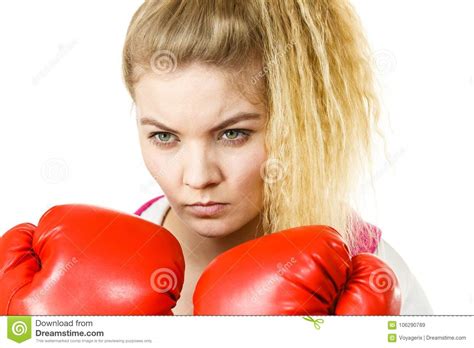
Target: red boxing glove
(85,260)
(301,271)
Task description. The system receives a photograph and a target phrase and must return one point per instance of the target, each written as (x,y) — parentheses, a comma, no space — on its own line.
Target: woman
(255,117)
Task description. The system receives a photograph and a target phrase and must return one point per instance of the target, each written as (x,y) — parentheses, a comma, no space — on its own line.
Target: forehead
(199,92)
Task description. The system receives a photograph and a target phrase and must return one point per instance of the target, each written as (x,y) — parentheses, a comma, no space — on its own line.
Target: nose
(200,169)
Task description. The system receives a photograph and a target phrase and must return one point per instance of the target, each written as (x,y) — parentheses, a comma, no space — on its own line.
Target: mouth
(205,203)
(208,209)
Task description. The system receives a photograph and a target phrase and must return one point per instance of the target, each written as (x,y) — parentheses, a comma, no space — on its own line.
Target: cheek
(159,168)
(244,174)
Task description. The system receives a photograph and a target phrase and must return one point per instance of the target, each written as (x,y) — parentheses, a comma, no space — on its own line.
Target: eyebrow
(241,116)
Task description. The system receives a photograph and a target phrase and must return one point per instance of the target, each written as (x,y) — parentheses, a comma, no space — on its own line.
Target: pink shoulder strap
(368,237)
(145,206)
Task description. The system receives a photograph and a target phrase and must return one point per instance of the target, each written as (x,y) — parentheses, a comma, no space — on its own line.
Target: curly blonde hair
(316,80)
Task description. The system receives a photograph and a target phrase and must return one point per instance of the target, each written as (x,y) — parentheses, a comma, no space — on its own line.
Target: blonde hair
(318,86)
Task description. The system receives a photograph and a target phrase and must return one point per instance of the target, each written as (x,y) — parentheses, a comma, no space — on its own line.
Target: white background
(68,135)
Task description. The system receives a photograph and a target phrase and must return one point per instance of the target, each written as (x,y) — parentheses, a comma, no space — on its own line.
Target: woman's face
(203,141)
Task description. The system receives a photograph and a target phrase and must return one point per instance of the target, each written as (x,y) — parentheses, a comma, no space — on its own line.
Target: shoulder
(414,299)
(154,210)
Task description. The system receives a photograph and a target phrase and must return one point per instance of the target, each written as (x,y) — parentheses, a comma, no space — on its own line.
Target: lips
(206,209)
(207,203)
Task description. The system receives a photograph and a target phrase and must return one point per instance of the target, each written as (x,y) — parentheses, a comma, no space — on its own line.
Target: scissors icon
(315,322)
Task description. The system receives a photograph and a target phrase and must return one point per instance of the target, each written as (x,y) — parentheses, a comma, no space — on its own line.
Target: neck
(202,250)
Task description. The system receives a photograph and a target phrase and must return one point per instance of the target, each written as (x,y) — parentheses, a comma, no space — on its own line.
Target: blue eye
(234,137)
(161,138)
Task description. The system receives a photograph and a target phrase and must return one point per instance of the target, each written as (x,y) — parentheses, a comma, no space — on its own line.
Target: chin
(213,228)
